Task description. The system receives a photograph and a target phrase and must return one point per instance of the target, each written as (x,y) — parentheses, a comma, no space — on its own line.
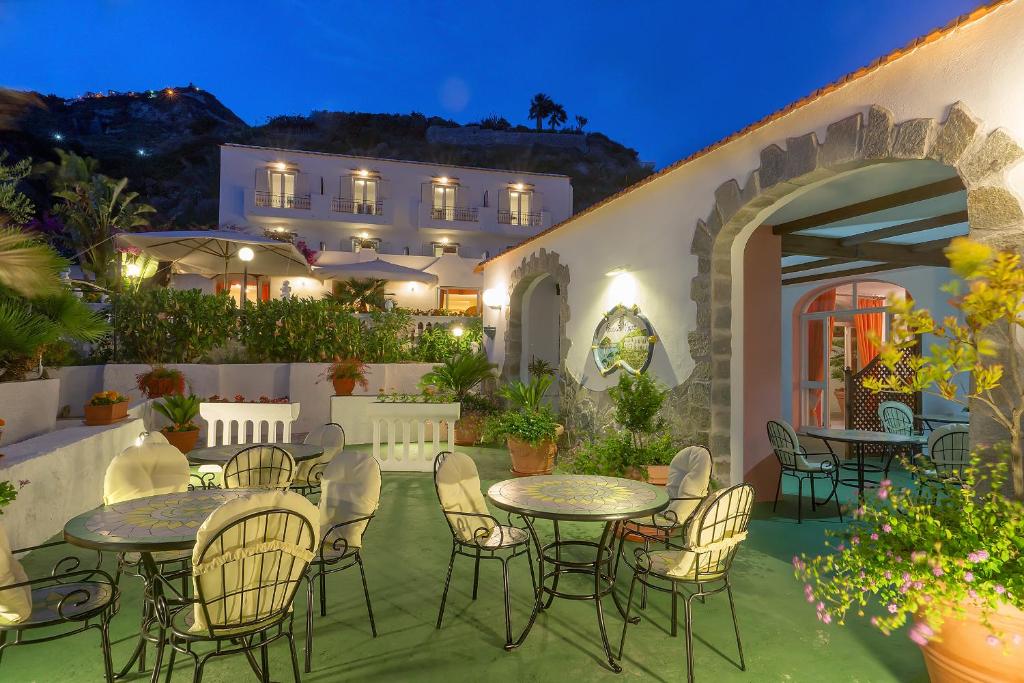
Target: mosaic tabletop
(865,436)
(578,497)
(219,455)
(165,522)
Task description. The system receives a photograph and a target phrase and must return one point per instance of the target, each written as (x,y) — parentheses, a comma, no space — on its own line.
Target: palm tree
(69,170)
(27,266)
(556,115)
(362,294)
(581,122)
(94,211)
(460,374)
(540,108)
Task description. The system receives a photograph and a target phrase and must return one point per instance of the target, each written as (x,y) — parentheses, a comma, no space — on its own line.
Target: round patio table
(579,498)
(219,455)
(932,419)
(860,438)
(146,526)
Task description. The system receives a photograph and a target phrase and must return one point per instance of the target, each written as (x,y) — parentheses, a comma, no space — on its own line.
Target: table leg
(598,590)
(558,556)
(150,593)
(860,471)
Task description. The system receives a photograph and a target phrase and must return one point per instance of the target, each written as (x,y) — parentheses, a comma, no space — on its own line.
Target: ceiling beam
(827,247)
(907,228)
(811,265)
(873,205)
(849,272)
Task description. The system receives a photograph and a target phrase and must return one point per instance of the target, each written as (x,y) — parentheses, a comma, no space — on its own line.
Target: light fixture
(458,331)
(444,240)
(141,152)
(622,290)
(133,270)
(279,229)
(364,235)
(519,186)
(170,92)
(246,254)
(615,272)
(58,137)
(495,298)
(363,172)
(443,180)
(281,166)
(412,286)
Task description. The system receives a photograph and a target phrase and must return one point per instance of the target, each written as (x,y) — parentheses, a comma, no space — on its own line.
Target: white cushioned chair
(712,539)
(259,467)
(349,497)
(475,532)
(250,556)
(796,462)
(331,437)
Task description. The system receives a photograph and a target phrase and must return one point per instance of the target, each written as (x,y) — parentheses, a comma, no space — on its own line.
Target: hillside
(166,143)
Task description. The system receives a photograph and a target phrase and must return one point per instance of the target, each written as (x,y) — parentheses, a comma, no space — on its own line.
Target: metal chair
(331,437)
(348,500)
(259,467)
(250,557)
(793,462)
(949,453)
(896,418)
(475,532)
(712,540)
(81,598)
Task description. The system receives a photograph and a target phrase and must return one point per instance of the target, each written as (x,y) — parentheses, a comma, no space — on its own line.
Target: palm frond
(74,320)
(27,265)
(22,329)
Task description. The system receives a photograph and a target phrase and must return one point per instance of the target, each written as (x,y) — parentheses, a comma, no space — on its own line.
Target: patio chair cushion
(332,438)
(155,467)
(689,476)
(84,599)
(458,489)
(15,603)
(805,465)
(503,537)
(350,489)
(219,570)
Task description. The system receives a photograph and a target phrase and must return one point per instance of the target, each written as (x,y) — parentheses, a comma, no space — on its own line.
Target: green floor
(406,551)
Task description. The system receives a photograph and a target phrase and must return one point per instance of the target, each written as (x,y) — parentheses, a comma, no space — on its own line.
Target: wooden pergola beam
(849,272)
(827,247)
(873,205)
(907,228)
(811,265)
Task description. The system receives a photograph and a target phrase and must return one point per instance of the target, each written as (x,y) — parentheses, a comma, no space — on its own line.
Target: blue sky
(666,78)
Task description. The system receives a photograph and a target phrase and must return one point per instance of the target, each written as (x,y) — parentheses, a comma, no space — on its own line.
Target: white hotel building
(441,220)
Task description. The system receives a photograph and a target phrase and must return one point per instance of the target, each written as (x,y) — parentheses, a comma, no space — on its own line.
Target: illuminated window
(365,196)
(282,189)
(519,202)
(444,201)
(360,243)
(442,248)
(462,300)
(255,290)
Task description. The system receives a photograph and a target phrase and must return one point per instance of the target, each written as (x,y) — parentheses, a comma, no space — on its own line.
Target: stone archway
(995,215)
(539,264)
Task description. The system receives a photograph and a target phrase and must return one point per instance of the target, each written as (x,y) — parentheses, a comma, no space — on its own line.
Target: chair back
(896,417)
(785,443)
(331,437)
(350,489)
(949,449)
(458,490)
(718,527)
(689,476)
(259,467)
(152,468)
(250,556)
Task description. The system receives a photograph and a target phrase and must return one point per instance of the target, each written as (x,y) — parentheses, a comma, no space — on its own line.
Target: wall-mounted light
(364,235)
(444,240)
(622,290)
(363,173)
(519,186)
(495,298)
(281,166)
(615,272)
(443,180)
(412,286)
(458,331)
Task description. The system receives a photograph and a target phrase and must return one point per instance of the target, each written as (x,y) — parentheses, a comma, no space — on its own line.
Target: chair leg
(688,629)
(778,490)
(366,594)
(309,624)
(835,493)
(264,658)
(814,499)
(799,500)
(643,587)
(625,623)
(476,572)
(323,594)
(170,665)
(108,666)
(675,611)
(197,668)
(290,635)
(508,606)
(444,594)
(735,624)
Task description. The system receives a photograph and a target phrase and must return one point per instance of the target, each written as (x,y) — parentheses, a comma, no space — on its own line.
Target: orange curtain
(869,326)
(816,341)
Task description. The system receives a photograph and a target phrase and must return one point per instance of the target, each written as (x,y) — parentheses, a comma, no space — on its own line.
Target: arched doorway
(540,323)
(537,315)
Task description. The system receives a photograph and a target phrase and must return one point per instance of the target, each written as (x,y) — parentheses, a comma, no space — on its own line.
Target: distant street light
(245,254)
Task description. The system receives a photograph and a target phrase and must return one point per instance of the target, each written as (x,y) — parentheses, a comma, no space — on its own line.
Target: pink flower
(883,493)
(887,528)
(888,574)
(841,547)
(992,641)
(978,556)
(1000,589)
(808,592)
(874,537)
(1016,640)
(937,570)
(893,609)
(826,617)
(968,576)
(854,540)
(905,576)
(920,633)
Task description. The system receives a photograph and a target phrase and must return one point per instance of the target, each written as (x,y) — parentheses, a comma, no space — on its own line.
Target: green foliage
(298,330)
(637,399)
(29,326)
(539,366)
(8,492)
(436,344)
(181,410)
(459,374)
(527,395)
(15,207)
(530,425)
(924,554)
(388,338)
(478,404)
(348,368)
(28,266)
(171,325)
(361,294)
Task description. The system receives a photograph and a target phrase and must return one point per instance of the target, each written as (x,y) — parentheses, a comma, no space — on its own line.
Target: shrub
(171,325)
(388,338)
(437,344)
(300,331)
(531,426)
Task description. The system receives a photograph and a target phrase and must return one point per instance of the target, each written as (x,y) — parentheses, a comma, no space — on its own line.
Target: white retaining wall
(29,408)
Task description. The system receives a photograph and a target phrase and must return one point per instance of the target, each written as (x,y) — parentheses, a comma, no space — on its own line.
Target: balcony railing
(342,205)
(274,200)
(453,213)
(529,218)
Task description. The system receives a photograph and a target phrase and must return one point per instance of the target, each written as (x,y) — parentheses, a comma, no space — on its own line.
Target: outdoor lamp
(495,298)
(622,290)
(133,270)
(458,331)
(245,254)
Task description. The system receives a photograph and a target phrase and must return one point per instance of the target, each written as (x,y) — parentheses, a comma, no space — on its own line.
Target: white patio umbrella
(211,252)
(377,269)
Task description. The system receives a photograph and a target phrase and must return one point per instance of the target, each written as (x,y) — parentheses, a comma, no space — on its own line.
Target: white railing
(230,423)
(419,427)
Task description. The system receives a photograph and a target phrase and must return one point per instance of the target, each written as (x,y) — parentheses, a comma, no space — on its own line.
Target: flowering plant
(239,398)
(926,553)
(428,395)
(348,368)
(107,398)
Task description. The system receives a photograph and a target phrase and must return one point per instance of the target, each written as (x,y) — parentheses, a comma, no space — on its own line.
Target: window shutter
(262,181)
(503,200)
(302,185)
(345,187)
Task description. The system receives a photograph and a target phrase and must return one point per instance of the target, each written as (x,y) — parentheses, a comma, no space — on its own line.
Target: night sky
(666,79)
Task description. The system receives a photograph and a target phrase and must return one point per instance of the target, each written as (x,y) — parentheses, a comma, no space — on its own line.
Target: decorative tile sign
(624,339)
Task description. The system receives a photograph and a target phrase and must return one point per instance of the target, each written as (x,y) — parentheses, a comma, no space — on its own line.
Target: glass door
(282,189)
(519,207)
(444,202)
(364,195)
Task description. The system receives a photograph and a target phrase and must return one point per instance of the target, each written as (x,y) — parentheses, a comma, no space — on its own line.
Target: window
(365,196)
(282,189)
(444,202)
(463,300)
(256,288)
(442,248)
(360,243)
(519,206)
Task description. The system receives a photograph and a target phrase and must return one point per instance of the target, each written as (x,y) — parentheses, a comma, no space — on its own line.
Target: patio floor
(406,551)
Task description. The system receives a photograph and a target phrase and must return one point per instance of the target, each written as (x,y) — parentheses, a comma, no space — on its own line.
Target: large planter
(657,475)
(105,415)
(160,387)
(469,429)
(964,656)
(183,441)
(529,459)
(343,386)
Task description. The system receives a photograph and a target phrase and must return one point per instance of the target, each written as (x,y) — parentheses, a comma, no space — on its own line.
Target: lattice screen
(862,404)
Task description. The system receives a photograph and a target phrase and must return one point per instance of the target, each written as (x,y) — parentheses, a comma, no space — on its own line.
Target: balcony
(526,218)
(271,200)
(344,205)
(454,213)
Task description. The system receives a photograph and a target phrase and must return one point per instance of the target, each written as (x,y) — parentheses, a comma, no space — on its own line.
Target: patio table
(858,438)
(579,498)
(932,419)
(146,526)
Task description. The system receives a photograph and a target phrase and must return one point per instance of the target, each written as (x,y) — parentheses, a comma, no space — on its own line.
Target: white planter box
(29,408)
(407,436)
(229,423)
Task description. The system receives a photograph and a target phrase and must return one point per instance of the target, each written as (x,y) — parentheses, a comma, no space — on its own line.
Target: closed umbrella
(376,269)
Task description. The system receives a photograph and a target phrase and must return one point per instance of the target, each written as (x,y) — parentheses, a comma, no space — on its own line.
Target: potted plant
(106,407)
(181,410)
(160,381)
(345,374)
(646,447)
(458,376)
(528,427)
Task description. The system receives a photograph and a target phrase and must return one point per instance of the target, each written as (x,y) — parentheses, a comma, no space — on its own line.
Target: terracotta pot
(105,415)
(156,388)
(183,441)
(528,460)
(656,474)
(468,429)
(343,387)
(964,656)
